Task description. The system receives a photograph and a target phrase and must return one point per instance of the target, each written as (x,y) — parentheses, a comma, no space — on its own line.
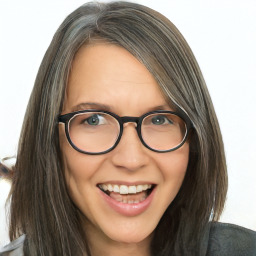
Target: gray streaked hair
(41,207)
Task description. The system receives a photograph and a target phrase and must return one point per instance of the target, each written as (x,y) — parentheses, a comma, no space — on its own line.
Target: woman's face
(108,76)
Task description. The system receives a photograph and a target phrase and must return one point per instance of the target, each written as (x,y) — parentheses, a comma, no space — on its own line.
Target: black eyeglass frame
(122,120)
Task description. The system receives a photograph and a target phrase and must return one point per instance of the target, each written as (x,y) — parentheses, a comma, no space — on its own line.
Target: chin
(130,237)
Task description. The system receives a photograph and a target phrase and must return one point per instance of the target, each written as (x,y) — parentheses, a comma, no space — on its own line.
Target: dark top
(221,240)
(228,239)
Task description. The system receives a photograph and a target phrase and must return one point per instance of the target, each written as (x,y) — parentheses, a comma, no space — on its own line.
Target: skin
(127,88)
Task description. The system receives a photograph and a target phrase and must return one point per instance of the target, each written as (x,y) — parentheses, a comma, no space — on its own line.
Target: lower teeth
(130,198)
(124,201)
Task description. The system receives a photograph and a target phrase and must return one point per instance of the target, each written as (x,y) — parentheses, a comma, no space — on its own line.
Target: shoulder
(229,239)
(15,248)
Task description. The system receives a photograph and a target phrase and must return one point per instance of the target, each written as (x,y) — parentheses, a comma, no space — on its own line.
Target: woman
(120,151)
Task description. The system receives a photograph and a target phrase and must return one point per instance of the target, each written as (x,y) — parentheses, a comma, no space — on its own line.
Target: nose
(130,154)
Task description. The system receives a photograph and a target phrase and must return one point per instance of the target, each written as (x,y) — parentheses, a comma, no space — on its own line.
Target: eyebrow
(99,106)
(90,105)
(160,107)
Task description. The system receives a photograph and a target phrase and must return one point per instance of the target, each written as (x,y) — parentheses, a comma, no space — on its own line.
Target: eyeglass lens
(97,131)
(163,131)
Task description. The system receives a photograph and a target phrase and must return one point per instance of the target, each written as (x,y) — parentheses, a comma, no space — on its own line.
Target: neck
(100,244)
(119,249)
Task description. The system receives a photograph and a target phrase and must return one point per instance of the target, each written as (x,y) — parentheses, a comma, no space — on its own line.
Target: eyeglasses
(98,132)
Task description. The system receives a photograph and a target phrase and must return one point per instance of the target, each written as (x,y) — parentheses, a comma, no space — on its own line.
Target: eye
(160,120)
(94,120)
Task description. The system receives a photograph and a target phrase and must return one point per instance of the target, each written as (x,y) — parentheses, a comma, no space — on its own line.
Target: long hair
(40,205)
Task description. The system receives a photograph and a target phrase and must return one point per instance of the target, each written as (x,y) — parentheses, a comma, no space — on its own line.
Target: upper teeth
(123,189)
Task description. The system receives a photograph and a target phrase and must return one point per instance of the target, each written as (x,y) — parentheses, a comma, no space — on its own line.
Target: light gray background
(222,35)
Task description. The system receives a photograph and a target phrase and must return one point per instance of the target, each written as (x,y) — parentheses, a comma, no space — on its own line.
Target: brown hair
(41,207)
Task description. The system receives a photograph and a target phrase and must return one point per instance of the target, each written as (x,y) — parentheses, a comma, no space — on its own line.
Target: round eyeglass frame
(122,120)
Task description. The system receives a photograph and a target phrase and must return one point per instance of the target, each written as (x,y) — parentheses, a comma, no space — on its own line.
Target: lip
(125,209)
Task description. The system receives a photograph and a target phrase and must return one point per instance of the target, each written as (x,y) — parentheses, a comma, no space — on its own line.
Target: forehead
(110,75)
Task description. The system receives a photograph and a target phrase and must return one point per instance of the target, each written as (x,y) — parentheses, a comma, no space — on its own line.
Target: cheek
(79,168)
(173,168)
(75,163)
(78,176)
(174,163)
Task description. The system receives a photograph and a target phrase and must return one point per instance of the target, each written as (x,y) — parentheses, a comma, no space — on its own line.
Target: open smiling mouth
(127,194)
